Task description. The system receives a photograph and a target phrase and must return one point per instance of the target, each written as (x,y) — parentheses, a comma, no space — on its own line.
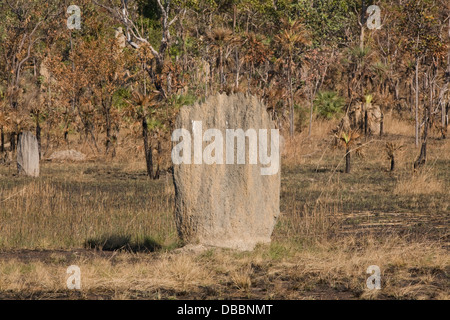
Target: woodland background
(133,64)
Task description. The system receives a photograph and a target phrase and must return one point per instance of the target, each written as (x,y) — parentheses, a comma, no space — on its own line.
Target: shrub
(328,104)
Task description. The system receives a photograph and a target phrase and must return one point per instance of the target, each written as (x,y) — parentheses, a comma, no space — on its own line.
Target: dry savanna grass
(117,225)
(279,271)
(424,182)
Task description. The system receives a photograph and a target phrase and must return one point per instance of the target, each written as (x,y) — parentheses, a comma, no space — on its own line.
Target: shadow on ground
(123,243)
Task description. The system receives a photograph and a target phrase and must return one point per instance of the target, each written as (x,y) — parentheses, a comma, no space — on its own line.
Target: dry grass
(301,148)
(78,204)
(179,273)
(242,277)
(332,227)
(423,182)
(399,127)
(409,271)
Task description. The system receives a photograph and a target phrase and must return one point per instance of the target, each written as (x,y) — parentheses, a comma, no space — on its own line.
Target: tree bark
(107,113)
(2,140)
(366,121)
(38,135)
(311,109)
(382,124)
(423,150)
(147,148)
(238,66)
(291,100)
(347,160)
(12,142)
(157,172)
(417,103)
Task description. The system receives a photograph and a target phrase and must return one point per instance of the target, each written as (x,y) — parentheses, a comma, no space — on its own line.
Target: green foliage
(301,117)
(420,25)
(149,9)
(328,104)
(368,98)
(153,123)
(121,98)
(327,19)
(179,100)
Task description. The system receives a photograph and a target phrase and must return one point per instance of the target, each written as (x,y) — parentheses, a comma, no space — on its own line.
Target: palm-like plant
(328,104)
(391,149)
(219,39)
(291,40)
(142,103)
(348,139)
(256,52)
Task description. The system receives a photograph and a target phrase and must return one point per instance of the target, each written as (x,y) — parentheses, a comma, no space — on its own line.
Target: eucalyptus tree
(22,27)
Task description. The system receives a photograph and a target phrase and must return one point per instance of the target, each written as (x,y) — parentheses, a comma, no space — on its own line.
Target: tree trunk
(108,130)
(423,150)
(238,66)
(417,103)
(38,135)
(169,83)
(447,82)
(347,160)
(366,122)
(392,163)
(12,142)
(2,140)
(443,124)
(157,173)
(147,148)
(221,69)
(291,101)
(361,38)
(47,146)
(382,124)
(66,136)
(311,109)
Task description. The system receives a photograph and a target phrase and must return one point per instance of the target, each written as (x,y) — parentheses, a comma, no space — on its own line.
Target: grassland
(113,222)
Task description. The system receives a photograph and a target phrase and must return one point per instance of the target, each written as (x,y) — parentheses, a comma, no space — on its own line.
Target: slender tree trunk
(447,82)
(147,148)
(366,121)
(157,172)
(108,133)
(382,124)
(47,145)
(392,163)
(2,140)
(238,66)
(347,160)
(417,103)
(38,135)
(361,38)
(221,69)
(12,142)
(169,83)
(311,109)
(291,101)
(443,121)
(443,105)
(423,150)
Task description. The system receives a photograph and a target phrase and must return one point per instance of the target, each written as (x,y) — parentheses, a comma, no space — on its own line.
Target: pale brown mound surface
(226,205)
